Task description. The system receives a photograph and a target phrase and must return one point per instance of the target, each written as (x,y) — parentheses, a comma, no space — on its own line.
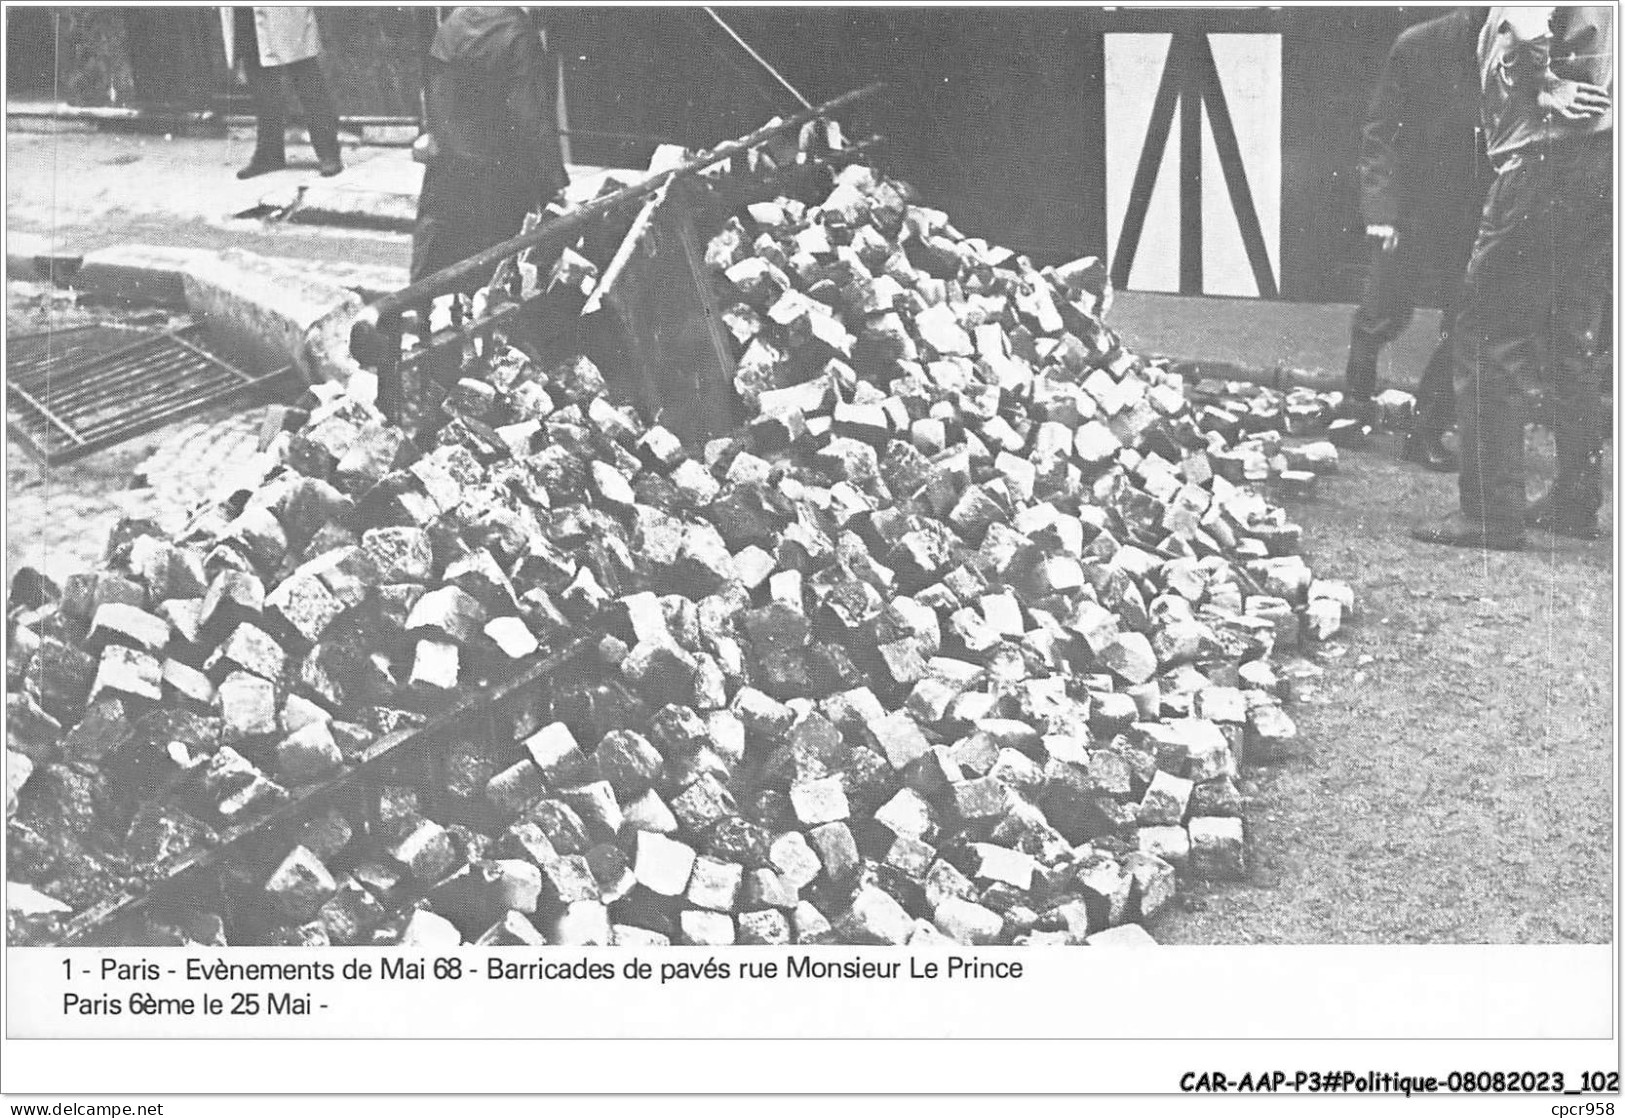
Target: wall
(1003,116)
(173,56)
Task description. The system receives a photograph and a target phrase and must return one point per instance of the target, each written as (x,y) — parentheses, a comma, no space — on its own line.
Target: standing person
(1422,185)
(1537,282)
(494,150)
(269,43)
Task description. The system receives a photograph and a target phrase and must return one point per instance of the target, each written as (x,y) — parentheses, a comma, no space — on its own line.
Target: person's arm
(1523,64)
(1379,151)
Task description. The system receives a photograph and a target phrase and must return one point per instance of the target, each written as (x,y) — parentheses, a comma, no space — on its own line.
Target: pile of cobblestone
(965,636)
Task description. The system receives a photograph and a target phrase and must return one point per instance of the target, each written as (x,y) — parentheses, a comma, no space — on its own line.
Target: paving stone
(819,801)
(998,863)
(966,922)
(662,865)
(836,849)
(1171,844)
(1165,800)
(1153,883)
(1217,851)
(300,885)
(874,917)
(1124,935)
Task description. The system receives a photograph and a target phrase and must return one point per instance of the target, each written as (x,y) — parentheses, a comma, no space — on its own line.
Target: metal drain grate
(73,392)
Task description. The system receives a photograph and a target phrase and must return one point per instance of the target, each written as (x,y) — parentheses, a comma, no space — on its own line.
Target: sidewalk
(80,191)
(1263,333)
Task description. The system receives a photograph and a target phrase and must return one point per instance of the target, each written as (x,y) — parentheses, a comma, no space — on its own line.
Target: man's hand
(1574,100)
(1387,234)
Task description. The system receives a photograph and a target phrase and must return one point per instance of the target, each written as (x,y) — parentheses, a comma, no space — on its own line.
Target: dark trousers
(1386,307)
(1532,311)
(463,211)
(265,83)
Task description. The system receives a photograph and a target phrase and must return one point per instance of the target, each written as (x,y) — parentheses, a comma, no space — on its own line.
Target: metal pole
(760,61)
(452,277)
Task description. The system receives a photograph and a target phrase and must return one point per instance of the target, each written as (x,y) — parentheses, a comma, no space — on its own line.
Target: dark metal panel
(669,317)
(74,392)
(1190,180)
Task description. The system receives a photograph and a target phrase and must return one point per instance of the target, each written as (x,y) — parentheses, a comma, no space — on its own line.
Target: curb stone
(263,311)
(35,259)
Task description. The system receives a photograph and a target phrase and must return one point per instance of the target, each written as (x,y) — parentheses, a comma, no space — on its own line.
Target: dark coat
(1421,163)
(497,154)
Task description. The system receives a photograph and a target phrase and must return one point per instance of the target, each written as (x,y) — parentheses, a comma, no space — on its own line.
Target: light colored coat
(285,35)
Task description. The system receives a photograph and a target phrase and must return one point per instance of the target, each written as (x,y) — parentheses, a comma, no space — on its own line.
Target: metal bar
(1145,174)
(158,402)
(172,405)
(162,383)
(48,345)
(629,137)
(760,61)
(72,372)
(91,381)
(387,363)
(624,253)
(20,432)
(144,339)
(459,336)
(151,422)
(299,808)
(179,337)
(45,413)
(481,264)
(1190,185)
(1235,171)
(97,412)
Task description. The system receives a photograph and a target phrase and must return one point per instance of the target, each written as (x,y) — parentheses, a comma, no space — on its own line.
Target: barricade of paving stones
(964,637)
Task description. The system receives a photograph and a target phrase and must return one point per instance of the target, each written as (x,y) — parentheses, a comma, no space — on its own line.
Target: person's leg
(1385,310)
(1496,345)
(1436,391)
(1584,232)
(320,116)
(266,87)
(430,232)
(1435,409)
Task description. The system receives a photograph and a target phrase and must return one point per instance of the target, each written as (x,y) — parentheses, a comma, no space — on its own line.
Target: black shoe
(329,168)
(258,167)
(1561,518)
(1459,531)
(1426,448)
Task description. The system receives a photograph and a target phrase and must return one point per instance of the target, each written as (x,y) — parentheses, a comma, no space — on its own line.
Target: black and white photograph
(735,485)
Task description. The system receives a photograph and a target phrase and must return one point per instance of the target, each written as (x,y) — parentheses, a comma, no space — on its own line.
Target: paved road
(1458,784)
